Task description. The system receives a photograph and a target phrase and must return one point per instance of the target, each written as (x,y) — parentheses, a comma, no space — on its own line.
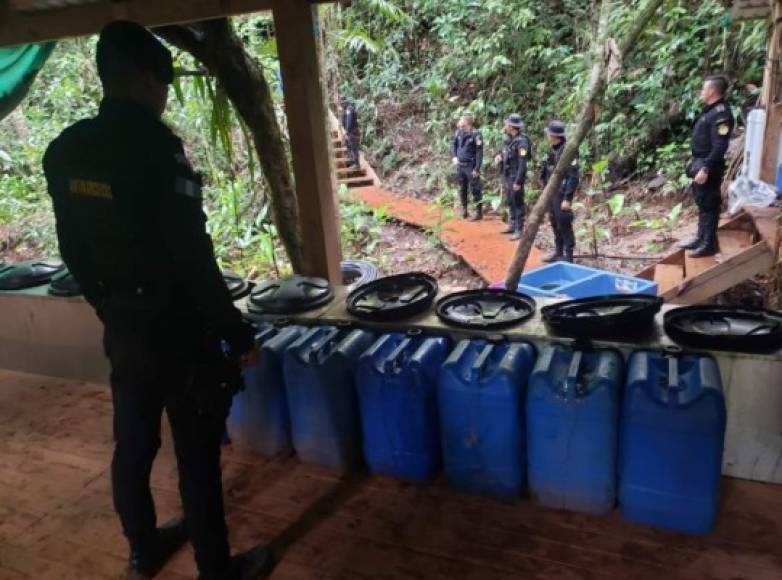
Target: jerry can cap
(290,295)
(739,329)
(603,317)
(485,309)
(28,274)
(393,297)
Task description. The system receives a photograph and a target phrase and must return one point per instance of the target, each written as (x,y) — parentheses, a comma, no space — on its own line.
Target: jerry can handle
(317,347)
(673,372)
(392,360)
(571,383)
(477,366)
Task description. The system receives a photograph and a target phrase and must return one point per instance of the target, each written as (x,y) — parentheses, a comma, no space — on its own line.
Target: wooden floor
(56,518)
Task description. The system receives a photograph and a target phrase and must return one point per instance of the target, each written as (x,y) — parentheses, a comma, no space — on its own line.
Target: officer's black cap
(556,129)
(515,120)
(123,43)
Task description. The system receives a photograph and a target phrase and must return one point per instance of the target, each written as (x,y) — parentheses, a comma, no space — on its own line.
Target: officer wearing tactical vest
(516,154)
(352,130)
(710,140)
(131,230)
(467,150)
(560,209)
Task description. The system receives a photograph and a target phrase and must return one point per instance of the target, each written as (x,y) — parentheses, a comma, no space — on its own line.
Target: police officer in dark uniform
(352,130)
(560,209)
(710,140)
(516,154)
(467,150)
(131,230)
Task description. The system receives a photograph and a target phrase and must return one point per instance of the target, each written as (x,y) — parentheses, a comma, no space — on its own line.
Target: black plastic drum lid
(393,297)
(607,317)
(739,329)
(28,274)
(64,284)
(290,295)
(485,309)
(238,287)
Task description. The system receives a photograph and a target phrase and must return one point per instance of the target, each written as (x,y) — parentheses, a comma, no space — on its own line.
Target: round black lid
(28,274)
(485,309)
(393,297)
(64,284)
(290,295)
(237,286)
(737,329)
(607,317)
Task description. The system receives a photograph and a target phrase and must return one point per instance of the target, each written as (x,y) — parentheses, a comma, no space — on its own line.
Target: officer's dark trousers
(516,209)
(467,184)
(352,144)
(151,371)
(708,198)
(562,224)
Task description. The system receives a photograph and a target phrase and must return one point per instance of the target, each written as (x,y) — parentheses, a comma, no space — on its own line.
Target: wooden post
(772,98)
(297,44)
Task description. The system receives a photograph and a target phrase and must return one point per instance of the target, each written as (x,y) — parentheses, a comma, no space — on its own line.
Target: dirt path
(479,244)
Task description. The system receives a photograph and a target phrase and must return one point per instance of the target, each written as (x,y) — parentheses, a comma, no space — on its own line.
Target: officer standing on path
(710,140)
(352,131)
(516,155)
(131,230)
(467,150)
(560,209)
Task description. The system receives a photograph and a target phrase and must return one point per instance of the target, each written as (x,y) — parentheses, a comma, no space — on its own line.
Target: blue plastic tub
(397,391)
(320,382)
(259,418)
(573,404)
(554,277)
(482,391)
(610,283)
(671,442)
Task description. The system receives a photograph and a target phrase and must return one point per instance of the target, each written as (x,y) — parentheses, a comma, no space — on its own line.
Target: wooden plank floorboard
(57,518)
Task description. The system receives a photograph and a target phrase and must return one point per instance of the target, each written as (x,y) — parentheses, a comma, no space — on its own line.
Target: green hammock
(18,67)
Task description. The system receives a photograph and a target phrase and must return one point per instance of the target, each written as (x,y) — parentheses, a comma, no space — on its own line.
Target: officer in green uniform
(710,140)
(560,208)
(131,230)
(513,162)
(467,151)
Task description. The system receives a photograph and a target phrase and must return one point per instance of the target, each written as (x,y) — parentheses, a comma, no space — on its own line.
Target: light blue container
(671,442)
(397,390)
(259,418)
(573,404)
(320,372)
(482,391)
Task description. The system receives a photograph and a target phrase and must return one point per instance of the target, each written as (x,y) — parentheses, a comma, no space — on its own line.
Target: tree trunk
(215,44)
(597,85)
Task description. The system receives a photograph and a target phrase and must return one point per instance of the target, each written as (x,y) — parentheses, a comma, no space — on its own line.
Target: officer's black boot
(251,565)
(555,256)
(465,212)
(569,256)
(148,561)
(517,234)
(478,213)
(511,227)
(697,241)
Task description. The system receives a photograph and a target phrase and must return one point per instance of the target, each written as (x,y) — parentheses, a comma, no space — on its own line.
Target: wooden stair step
(695,266)
(733,241)
(357,181)
(668,276)
(351,172)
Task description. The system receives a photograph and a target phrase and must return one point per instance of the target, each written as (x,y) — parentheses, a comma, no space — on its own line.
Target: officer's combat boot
(697,241)
(709,245)
(251,565)
(517,234)
(555,256)
(569,256)
(465,212)
(145,564)
(478,213)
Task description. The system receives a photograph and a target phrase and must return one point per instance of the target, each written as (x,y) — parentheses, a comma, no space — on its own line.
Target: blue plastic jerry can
(397,388)
(482,391)
(259,418)
(671,442)
(573,405)
(320,381)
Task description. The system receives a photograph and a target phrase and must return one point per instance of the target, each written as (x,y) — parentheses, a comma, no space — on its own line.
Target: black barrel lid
(237,286)
(393,297)
(740,329)
(607,317)
(64,284)
(485,309)
(28,274)
(290,295)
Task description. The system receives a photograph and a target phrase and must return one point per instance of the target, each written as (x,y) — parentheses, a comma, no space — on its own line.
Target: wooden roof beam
(83,19)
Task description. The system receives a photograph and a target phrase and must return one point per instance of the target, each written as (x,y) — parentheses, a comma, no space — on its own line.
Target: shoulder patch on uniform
(90,188)
(720,107)
(522,152)
(723,129)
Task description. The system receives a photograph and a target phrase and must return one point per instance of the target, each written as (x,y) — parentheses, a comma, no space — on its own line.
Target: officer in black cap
(560,209)
(710,140)
(352,130)
(132,232)
(467,150)
(515,156)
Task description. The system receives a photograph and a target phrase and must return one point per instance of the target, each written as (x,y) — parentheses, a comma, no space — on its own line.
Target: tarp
(18,67)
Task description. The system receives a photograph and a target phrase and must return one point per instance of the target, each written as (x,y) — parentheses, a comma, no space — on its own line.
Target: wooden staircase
(749,245)
(352,177)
